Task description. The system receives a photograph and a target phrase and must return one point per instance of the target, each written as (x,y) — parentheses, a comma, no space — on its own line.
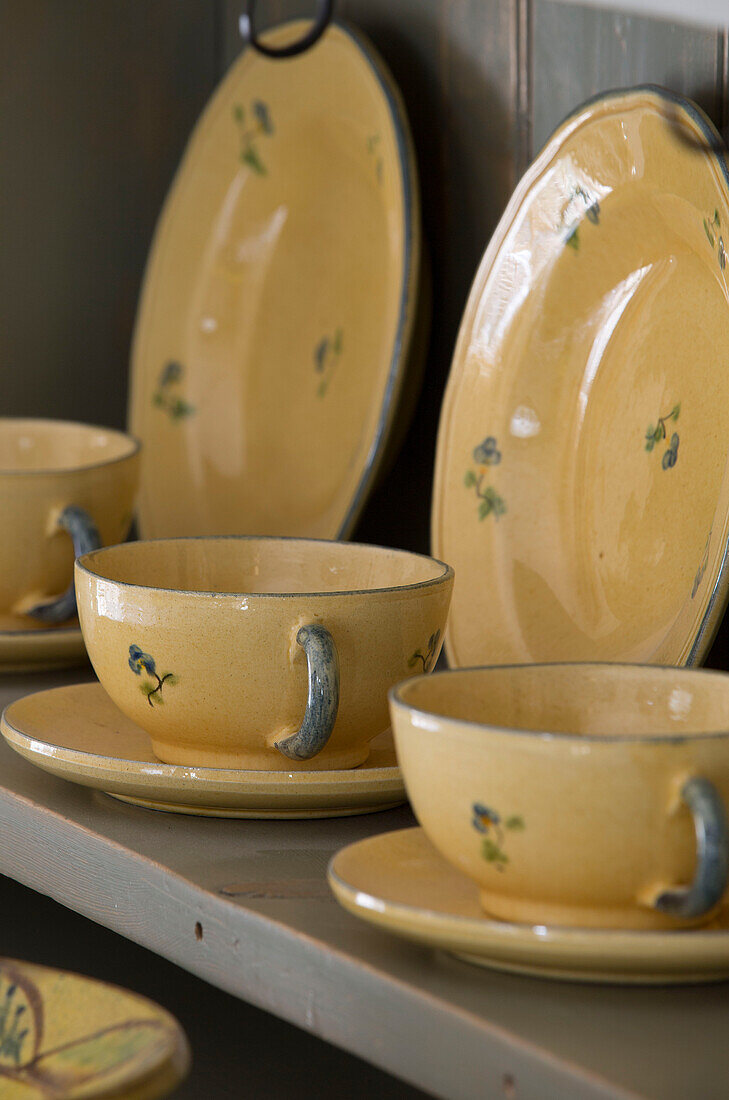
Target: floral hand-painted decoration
(373,148)
(16,1022)
(580,202)
(47,1053)
(712,228)
(657,432)
(326,358)
(490,503)
(489,823)
(166,395)
(140,661)
(261,125)
(702,566)
(427,659)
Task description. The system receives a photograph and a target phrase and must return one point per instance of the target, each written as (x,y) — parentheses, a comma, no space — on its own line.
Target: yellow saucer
(582,484)
(63,1036)
(77,733)
(399,882)
(278,303)
(27,646)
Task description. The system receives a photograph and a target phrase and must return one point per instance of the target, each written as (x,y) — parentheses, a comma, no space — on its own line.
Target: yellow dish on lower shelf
(66,1037)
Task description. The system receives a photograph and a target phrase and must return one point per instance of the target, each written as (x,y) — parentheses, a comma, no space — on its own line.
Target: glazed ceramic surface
(45,467)
(560,789)
(198,641)
(399,882)
(77,733)
(581,489)
(65,1037)
(277,307)
(26,646)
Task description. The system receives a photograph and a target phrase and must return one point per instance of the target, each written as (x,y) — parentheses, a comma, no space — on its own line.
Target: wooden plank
(578,52)
(710,13)
(173,884)
(96,102)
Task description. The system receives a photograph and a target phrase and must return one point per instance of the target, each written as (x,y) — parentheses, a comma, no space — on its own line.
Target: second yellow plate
(277,307)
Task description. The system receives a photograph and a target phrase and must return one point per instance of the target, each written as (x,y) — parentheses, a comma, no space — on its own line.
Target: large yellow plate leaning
(399,882)
(65,1037)
(277,308)
(582,488)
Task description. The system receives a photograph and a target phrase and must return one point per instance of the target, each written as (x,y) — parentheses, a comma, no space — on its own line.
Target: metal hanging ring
(248,31)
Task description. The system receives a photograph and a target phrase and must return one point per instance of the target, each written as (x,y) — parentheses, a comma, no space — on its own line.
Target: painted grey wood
(243,905)
(578,52)
(96,100)
(710,13)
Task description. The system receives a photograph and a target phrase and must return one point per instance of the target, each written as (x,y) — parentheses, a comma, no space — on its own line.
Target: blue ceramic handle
(85,537)
(712,854)
(323,702)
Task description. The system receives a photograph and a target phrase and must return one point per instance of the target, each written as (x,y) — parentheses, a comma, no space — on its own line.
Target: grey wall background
(97,98)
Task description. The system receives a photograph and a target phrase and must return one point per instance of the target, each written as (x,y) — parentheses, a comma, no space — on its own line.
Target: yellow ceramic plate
(277,306)
(78,734)
(582,488)
(64,1037)
(399,882)
(26,646)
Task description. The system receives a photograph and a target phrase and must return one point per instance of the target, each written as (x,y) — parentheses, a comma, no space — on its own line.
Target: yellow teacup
(58,479)
(265,653)
(574,794)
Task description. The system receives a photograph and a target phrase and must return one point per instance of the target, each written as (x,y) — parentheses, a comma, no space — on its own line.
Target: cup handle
(84,534)
(712,854)
(323,702)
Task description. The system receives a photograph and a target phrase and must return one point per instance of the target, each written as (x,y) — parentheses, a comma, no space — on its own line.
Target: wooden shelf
(244,905)
(708,13)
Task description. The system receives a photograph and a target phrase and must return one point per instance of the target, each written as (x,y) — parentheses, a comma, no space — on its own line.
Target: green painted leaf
(238,112)
(514,822)
(337,341)
(492,853)
(709,234)
(675,411)
(573,239)
(469,479)
(250,157)
(484,508)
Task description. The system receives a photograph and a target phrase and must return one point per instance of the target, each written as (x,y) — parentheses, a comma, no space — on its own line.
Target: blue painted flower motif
(320,354)
(669,458)
(487,453)
(427,658)
(248,135)
(484,818)
(490,503)
(326,357)
(712,228)
(263,115)
(494,830)
(171,373)
(139,660)
(658,432)
(165,397)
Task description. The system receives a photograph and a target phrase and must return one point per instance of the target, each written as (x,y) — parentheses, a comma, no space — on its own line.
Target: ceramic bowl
(58,479)
(269,653)
(579,795)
